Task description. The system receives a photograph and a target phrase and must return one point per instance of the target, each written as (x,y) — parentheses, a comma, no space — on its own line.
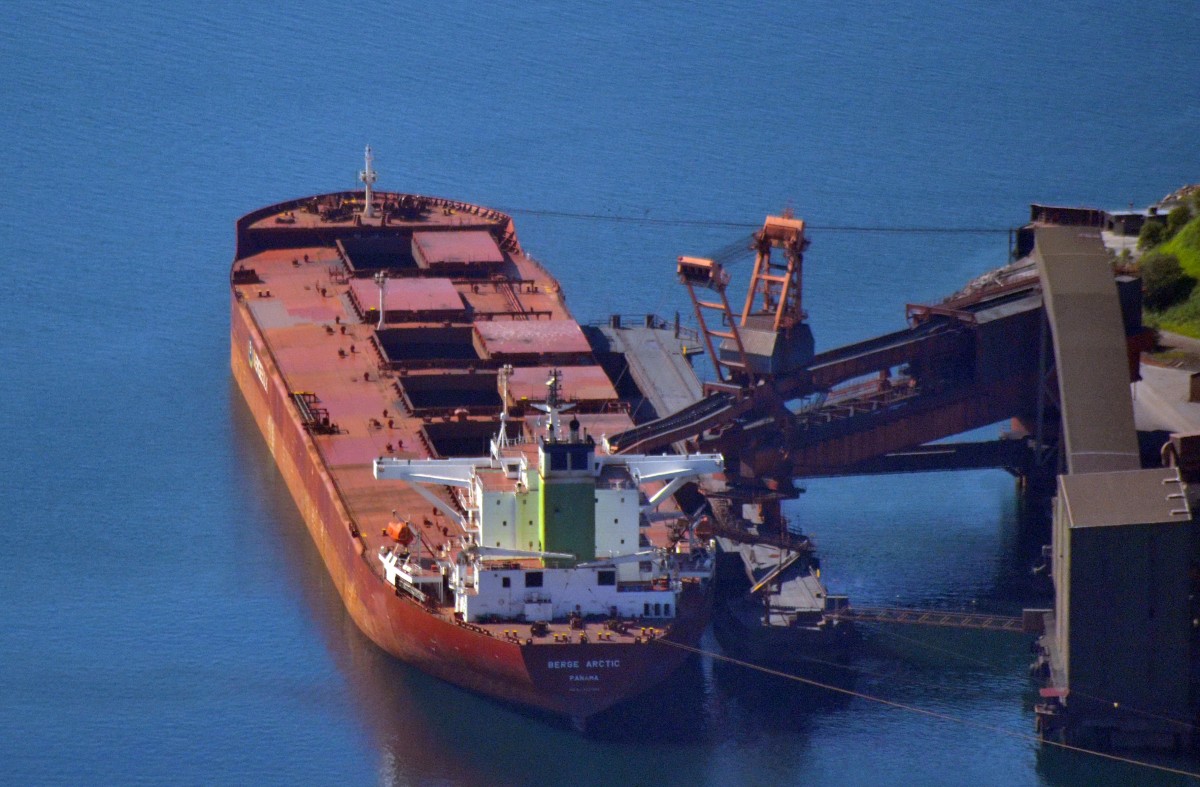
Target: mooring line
(879,629)
(929,713)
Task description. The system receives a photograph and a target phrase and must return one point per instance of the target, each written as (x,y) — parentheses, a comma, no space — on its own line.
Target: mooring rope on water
(926,712)
(1187,725)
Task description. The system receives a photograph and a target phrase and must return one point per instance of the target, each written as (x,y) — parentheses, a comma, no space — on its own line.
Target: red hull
(574,680)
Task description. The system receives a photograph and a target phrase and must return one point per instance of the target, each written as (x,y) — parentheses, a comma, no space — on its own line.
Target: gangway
(938,617)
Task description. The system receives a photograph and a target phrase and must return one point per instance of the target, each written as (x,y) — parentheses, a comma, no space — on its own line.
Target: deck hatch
(465,438)
(364,256)
(429,345)
(434,392)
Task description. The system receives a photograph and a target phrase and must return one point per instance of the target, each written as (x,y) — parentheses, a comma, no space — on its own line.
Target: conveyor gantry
(980,357)
(941,376)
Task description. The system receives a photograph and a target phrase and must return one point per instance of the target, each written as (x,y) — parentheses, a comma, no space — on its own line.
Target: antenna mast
(368,176)
(505,372)
(552,402)
(381,280)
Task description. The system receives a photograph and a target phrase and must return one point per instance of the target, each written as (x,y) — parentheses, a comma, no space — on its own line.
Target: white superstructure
(553,530)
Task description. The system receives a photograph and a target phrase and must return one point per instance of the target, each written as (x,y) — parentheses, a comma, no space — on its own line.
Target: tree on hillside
(1153,233)
(1179,216)
(1163,280)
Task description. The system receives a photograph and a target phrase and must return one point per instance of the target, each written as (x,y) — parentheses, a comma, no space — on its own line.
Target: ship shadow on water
(673,712)
(785,699)
(414,720)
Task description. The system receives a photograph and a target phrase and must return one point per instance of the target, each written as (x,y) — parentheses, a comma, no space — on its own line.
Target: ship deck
(461,301)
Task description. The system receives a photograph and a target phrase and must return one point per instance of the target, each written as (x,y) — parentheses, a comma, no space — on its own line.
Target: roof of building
(1089,345)
(1131,497)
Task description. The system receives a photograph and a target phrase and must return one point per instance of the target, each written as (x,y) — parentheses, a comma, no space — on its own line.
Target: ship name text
(589,664)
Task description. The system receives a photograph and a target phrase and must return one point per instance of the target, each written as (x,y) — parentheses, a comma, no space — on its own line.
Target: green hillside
(1186,248)
(1176,295)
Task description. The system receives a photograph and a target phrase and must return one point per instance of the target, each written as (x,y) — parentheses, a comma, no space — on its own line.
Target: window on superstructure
(505,582)
(606,577)
(533,579)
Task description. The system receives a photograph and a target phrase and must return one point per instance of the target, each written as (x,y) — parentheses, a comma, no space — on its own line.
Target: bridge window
(533,579)
(606,577)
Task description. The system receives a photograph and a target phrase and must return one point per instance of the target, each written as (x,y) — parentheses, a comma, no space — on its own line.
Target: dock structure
(880,405)
(1120,640)
(935,617)
(1052,342)
(784,614)
(652,354)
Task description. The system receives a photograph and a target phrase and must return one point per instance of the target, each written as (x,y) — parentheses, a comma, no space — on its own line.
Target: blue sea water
(164,617)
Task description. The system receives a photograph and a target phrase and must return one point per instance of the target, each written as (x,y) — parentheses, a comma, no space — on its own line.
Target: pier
(1051,344)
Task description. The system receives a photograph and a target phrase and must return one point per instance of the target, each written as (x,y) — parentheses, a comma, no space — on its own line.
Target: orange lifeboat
(400,532)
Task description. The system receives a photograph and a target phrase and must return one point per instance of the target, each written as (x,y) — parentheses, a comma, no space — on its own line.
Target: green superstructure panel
(568,517)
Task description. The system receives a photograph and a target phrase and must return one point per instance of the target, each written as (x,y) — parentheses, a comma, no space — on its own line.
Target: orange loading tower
(771,337)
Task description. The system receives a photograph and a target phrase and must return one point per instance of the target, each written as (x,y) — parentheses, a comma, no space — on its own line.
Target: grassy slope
(1183,317)
(1186,247)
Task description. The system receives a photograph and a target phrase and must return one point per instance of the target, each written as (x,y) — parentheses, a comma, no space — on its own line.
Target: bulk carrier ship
(410,369)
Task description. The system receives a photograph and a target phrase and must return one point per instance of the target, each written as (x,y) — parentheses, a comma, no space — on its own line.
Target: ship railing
(536,314)
(473,627)
(653,321)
